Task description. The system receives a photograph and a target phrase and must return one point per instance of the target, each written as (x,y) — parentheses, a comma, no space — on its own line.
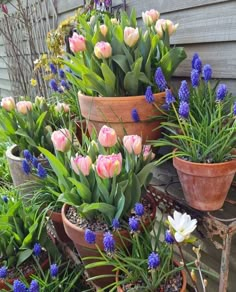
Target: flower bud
(103,50)
(107,137)
(147,151)
(114,21)
(150,17)
(103,29)
(81,164)
(61,140)
(8,103)
(77,43)
(62,107)
(131,36)
(171,27)
(165,25)
(39,100)
(159,27)
(24,106)
(108,166)
(133,144)
(193,276)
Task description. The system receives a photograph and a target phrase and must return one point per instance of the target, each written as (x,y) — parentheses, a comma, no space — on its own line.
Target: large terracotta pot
(205,185)
(116,113)
(90,250)
(25,183)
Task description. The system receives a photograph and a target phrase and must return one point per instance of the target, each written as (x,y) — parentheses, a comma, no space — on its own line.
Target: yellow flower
(33,82)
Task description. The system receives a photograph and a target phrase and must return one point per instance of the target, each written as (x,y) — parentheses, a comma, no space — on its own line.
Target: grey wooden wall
(205,26)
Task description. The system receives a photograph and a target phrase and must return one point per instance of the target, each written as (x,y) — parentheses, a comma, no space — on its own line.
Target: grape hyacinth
(207,72)
(25,167)
(184,110)
(221,92)
(160,79)
(53,68)
(53,84)
(133,224)
(37,249)
(35,162)
(5,199)
(54,270)
(153,261)
(3,272)
(135,116)
(18,286)
(109,243)
(139,209)
(115,224)
(42,173)
(195,57)
(198,65)
(184,91)
(61,74)
(27,155)
(234,109)
(149,95)
(168,237)
(65,84)
(90,236)
(34,286)
(169,97)
(195,78)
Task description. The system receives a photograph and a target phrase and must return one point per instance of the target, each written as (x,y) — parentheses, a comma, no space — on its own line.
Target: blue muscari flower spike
(153,261)
(53,84)
(65,84)
(207,72)
(160,79)
(115,224)
(53,68)
(61,74)
(5,199)
(134,115)
(42,173)
(198,65)
(149,95)
(109,242)
(195,57)
(184,91)
(37,249)
(25,167)
(54,270)
(168,237)
(184,109)
(3,272)
(27,155)
(195,78)
(35,162)
(221,92)
(169,97)
(34,286)
(133,224)
(18,286)
(234,109)
(139,209)
(90,236)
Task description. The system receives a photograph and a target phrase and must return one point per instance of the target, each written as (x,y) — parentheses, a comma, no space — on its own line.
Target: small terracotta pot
(205,185)
(116,113)
(58,225)
(183,274)
(90,250)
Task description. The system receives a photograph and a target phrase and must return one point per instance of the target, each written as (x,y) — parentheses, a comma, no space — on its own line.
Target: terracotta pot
(116,113)
(25,183)
(205,185)
(56,218)
(27,276)
(183,274)
(90,250)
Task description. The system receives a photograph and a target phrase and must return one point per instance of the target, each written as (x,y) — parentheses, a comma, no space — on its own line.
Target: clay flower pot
(90,250)
(205,185)
(116,113)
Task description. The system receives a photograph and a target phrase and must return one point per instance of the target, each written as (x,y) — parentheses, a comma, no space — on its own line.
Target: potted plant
(99,183)
(202,131)
(113,63)
(28,125)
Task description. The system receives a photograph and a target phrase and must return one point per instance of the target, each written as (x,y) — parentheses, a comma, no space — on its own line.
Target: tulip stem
(186,268)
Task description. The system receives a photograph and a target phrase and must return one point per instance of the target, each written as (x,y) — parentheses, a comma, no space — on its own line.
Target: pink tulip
(107,137)
(81,164)
(108,166)
(61,140)
(165,24)
(147,151)
(103,29)
(103,50)
(150,17)
(24,106)
(77,43)
(62,107)
(8,103)
(133,144)
(131,36)
(171,27)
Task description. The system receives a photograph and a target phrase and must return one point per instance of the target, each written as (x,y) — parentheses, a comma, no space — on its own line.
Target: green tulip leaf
(83,191)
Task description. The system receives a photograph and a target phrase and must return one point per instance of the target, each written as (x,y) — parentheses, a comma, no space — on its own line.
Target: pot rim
(9,153)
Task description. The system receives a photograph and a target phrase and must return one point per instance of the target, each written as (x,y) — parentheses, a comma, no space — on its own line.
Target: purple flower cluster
(18,286)
(168,237)
(90,236)
(184,92)
(221,92)
(139,209)
(149,95)
(160,79)
(53,84)
(31,161)
(207,72)
(109,243)
(54,270)
(153,261)
(37,249)
(3,272)
(34,286)
(135,115)
(115,224)
(184,109)
(133,224)
(195,78)
(234,109)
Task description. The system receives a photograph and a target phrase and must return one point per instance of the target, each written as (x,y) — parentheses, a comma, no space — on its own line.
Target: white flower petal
(190,228)
(172,223)
(179,237)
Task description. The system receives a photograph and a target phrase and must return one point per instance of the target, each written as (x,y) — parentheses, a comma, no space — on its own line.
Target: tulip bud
(39,100)
(62,107)
(77,43)
(81,164)
(171,27)
(133,144)
(114,21)
(150,17)
(160,27)
(103,29)
(131,36)
(165,24)
(107,137)
(24,106)
(8,103)
(147,151)
(61,140)
(108,166)
(103,50)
